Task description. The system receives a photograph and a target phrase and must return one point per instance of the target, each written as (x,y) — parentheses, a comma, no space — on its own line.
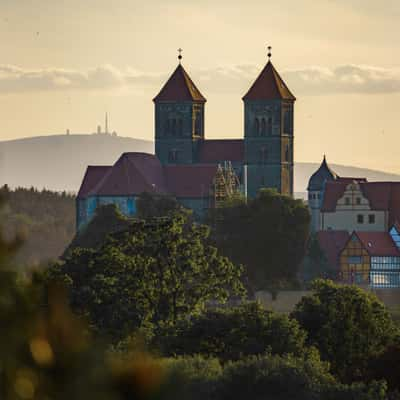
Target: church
(201,172)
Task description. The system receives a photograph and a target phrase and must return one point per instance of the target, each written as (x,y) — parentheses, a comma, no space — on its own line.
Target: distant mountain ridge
(58,162)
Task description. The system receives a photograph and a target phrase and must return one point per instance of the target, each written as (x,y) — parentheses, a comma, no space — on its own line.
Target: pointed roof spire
(269,85)
(180,87)
(323,174)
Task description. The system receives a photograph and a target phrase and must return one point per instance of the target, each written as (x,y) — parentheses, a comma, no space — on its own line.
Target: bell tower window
(263,155)
(256,127)
(263,127)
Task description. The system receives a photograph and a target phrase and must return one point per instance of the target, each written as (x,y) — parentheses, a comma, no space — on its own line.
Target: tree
(107,219)
(150,206)
(267,234)
(233,333)
(315,264)
(288,377)
(347,325)
(155,272)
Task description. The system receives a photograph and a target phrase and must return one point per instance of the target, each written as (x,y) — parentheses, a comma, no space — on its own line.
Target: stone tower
(268,133)
(179,119)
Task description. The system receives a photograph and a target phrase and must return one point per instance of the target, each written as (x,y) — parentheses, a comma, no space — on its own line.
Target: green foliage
(288,377)
(267,234)
(347,325)
(46,352)
(107,219)
(45,218)
(155,272)
(385,365)
(149,205)
(235,333)
(315,264)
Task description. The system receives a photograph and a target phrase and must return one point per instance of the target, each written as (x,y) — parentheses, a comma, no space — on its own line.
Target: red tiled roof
(383,196)
(133,173)
(378,243)
(214,151)
(180,87)
(269,86)
(190,180)
(332,244)
(93,175)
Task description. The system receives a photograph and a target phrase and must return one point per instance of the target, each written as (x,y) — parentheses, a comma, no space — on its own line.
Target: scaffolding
(226,184)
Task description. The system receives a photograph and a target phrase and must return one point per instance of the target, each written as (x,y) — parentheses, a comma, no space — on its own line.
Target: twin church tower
(197,171)
(267,147)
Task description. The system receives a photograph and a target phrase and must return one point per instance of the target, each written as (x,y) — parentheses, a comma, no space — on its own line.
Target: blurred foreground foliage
(45,218)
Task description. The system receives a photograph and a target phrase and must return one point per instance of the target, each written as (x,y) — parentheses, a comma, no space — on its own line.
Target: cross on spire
(180,55)
(269,52)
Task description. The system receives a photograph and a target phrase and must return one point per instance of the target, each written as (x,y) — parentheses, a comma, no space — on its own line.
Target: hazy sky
(65,62)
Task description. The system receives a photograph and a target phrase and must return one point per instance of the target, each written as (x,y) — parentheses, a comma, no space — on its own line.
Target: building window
(358,201)
(167,127)
(173,127)
(256,127)
(263,154)
(347,201)
(371,218)
(173,155)
(360,218)
(263,127)
(354,260)
(180,127)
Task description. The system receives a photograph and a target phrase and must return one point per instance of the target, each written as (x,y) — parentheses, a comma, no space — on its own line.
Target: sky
(63,64)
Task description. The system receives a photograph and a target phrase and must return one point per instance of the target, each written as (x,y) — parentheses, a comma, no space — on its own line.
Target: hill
(58,162)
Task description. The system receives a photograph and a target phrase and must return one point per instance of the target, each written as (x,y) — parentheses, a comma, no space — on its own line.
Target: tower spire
(269,53)
(180,55)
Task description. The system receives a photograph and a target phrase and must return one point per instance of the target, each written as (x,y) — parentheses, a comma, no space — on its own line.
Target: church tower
(268,133)
(179,119)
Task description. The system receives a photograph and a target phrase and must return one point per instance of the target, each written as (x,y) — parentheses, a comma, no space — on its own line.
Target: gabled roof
(214,151)
(179,87)
(382,196)
(93,175)
(378,243)
(269,86)
(133,173)
(190,181)
(332,244)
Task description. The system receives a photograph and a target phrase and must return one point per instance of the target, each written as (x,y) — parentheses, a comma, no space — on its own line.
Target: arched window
(167,127)
(256,127)
(263,127)
(263,155)
(269,126)
(287,155)
(174,127)
(180,127)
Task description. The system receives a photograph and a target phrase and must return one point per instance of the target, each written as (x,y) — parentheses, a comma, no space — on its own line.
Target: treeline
(45,220)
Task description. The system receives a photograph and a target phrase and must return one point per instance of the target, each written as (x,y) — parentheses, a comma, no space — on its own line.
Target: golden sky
(65,63)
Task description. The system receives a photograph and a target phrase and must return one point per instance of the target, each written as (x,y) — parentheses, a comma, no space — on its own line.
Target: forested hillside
(45,219)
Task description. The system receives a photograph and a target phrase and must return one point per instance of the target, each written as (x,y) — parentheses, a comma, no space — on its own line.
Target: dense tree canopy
(150,206)
(233,333)
(267,234)
(347,324)
(45,218)
(155,272)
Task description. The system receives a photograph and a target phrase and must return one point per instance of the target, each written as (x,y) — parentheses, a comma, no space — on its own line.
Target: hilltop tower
(268,133)
(179,119)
